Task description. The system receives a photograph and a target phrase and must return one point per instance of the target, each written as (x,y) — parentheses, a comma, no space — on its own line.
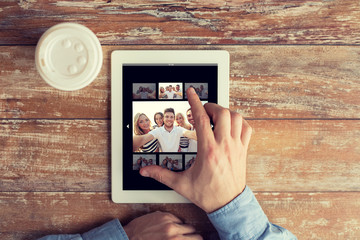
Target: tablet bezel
(118,59)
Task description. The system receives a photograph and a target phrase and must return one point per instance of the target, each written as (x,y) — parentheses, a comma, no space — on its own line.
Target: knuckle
(226,145)
(158,176)
(224,112)
(169,228)
(168,216)
(212,152)
(161,213)
(237,117)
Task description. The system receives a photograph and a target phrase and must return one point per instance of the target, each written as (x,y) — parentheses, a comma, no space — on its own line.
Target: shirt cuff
(242,218)
(110,231)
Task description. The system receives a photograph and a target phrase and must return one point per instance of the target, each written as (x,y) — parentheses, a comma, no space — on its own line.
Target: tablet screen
(156,111)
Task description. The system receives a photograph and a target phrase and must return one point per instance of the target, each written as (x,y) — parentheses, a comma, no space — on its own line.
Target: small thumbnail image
(143,160)
(170,91)
(144,91)
(172,162)
(189,160)
(200,88)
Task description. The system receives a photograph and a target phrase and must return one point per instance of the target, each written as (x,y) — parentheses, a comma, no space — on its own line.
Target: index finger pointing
(201,118)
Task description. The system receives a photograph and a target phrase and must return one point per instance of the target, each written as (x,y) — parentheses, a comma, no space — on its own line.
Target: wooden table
(295,75)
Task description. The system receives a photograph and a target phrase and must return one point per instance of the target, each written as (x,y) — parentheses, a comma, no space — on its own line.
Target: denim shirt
(109,231)
(241,219)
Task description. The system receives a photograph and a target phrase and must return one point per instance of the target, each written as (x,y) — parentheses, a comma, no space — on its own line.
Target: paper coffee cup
(68,56)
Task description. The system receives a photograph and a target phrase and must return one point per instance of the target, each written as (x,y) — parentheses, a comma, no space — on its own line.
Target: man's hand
(219,172)
(160,226)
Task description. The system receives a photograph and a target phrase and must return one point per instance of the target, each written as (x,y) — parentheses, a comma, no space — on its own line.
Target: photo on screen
(202,89)
(170,91)
(189,160)
(143,160)
(144,91)
(144,114)
(172,162)
(147,112)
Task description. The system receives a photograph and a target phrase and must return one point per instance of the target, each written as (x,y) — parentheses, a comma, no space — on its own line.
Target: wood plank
(304,156)
(196,22)
(71,155)
(329,215)
(24,94)
(295,82)
(265,82)
(55,213)
(74,155)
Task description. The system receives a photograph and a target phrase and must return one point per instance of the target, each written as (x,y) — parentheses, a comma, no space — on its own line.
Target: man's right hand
(219,172)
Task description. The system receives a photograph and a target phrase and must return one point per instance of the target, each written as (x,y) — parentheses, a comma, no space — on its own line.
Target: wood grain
(56,213)
(295,73)
(74,155)
(295,81)
(61,155)
(188,22)
(265,82)
(307,215)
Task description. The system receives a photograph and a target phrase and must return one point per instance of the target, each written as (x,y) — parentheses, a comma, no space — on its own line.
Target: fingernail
(144,174)
(192,90)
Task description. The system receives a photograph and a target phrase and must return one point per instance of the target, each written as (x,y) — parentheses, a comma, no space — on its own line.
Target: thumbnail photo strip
(172,162)
(168,91)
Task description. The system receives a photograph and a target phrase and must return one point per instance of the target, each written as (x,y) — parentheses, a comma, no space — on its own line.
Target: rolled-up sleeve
(110,231)
(243,218)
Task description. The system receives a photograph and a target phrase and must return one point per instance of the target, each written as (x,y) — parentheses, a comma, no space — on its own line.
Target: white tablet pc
(144,85)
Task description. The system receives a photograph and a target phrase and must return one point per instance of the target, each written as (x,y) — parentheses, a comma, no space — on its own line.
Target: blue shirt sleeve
(109,231)
(243,218)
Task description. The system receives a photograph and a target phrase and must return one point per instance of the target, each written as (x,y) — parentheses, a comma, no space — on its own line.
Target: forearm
(190,134)
(140,140)
(243,218)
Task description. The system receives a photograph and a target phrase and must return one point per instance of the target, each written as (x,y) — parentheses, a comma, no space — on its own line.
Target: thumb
(161,175)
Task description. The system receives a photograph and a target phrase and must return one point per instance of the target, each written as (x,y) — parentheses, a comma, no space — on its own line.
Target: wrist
(213,206)
(128,230)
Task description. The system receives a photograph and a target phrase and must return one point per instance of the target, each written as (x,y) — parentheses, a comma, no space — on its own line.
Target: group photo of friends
(143,160)
(163,127)
(144,91)
(201,90)
(172,162)
(170,91)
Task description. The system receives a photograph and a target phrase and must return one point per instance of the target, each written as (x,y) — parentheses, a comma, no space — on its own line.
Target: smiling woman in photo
(142,126)
(159,119)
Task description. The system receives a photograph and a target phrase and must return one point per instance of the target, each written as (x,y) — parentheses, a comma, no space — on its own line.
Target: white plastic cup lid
(68,56)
